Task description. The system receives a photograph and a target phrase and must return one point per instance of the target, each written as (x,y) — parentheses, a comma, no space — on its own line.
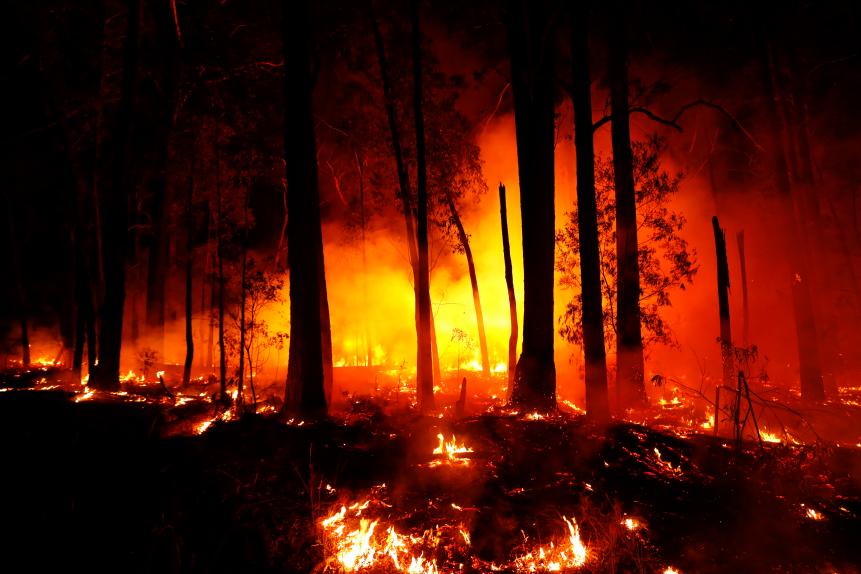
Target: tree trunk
(630,386)
(189,266)
(473,279)
(242,300)
(305,390)
(597,402)
(725,339)
(532,71)
(745,309)
(403,181)
(810,369)
(509,282)
(219,253)
(424,360)
(115,234)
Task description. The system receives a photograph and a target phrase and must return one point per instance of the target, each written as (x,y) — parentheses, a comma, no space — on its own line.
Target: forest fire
(431,287)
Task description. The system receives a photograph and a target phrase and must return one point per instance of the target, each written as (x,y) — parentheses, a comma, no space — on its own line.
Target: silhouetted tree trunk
(405,195)
(305,389)
(630,386)
(745,309)
(20,290)
(115,217)
(597,403)
(509,282)
(219,253)
(424,360)
(812,387)
(189,263)
(532,80)
(243,278)
(727,354)
(473,279)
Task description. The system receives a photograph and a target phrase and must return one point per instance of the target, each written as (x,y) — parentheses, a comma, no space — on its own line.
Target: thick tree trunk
(597,402)
(509,282)
(810,368)
(115,215)
(473,280)
(727,353)
(189,266)
(305,389)
(630,386)
(533,73)
(424,359)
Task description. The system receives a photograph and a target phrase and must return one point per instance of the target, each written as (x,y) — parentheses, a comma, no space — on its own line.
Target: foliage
(666,260)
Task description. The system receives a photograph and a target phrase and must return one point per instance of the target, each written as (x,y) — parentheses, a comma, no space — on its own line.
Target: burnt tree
(305,389)
(723,303)
(532,53)
(509,282)
(597,403)
(115,217)
(630,386)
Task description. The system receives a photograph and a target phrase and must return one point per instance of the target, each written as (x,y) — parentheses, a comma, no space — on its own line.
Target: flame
(631,523)
(356,544)
(535,416)
(769,437)
(571,553)
(671,570)
(452,451)
(812,513)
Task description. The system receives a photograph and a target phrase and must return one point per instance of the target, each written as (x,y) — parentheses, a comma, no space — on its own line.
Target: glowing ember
(571,553)
(667,465)
(631,523)
(452,451)
(535,416)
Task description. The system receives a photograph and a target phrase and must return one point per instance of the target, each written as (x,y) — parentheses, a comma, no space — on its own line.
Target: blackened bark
(810,369)
(597,402)
(509,282)
(727,354)
(243,277)
(405,193)
(745,308)
(189,264)
(630,386)
(115,217)
(473,280)
(424,359)
(219,253)
(532,80)
(305,389)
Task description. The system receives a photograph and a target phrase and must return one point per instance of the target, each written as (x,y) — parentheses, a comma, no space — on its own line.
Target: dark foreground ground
(98,486)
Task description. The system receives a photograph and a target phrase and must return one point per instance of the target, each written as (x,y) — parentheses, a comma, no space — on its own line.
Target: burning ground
(125,481)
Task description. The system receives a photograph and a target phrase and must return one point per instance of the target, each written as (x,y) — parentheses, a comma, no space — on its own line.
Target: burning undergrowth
(196,487)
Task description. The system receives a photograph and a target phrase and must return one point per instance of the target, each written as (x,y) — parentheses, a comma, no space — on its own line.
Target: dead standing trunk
(723,304)
(630,385)
(597,402)
(219,253)
(532,52)
(509,282)
(473,279)
(745,309)
(305,390)
(115,216)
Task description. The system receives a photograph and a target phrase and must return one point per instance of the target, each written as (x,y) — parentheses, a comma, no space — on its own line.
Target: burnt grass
(102,485)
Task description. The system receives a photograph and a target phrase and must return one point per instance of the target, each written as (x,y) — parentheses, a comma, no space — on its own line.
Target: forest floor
(111,484)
